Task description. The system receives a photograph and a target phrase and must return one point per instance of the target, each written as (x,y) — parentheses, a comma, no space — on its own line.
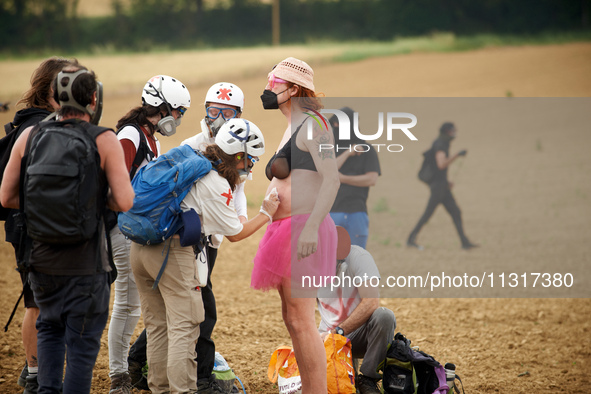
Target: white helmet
(225,93)
(162,88)
(239,135)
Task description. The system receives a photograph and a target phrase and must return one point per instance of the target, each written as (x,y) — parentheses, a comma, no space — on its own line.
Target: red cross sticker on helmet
(224,94)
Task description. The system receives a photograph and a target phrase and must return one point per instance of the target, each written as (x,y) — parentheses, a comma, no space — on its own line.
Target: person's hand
(270,204)
(463,152)
(357,152)
(450,184)
(307,242)
(323,335)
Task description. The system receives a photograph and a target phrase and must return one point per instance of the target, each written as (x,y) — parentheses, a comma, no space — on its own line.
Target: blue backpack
(159,188)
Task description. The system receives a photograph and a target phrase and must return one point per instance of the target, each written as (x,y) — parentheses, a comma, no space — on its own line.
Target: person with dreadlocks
(173,312)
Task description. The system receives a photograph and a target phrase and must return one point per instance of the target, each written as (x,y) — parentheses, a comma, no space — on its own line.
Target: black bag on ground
(409,371)
(429,166)
(62,179)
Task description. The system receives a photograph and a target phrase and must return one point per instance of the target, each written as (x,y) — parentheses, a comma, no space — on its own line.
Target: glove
(270,204)
(462,152)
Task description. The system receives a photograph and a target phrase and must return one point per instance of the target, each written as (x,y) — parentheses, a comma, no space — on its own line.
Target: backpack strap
(93,130)
(157,280)
(143,150)
(9,127)
(456,387)
(14,309)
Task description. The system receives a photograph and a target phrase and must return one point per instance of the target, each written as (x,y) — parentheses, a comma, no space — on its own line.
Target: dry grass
(121,73)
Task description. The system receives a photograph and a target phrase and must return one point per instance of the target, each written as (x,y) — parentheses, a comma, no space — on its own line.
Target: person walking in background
(301,240)
(359,169)
(440,187)
(174,309)
(164,99)
(70,281)
(39,104)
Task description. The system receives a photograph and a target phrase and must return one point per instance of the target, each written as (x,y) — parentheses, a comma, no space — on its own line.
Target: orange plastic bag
(283,369)
(339,365)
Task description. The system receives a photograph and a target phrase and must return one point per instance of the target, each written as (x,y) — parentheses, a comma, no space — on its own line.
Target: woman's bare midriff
(297,193)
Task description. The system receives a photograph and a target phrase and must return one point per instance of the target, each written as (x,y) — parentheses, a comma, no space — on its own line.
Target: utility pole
(275,23)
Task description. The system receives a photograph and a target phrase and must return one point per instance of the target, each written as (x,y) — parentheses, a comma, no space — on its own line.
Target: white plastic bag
(202,269)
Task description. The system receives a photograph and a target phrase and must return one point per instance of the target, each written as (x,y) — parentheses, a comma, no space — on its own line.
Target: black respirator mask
(269,99)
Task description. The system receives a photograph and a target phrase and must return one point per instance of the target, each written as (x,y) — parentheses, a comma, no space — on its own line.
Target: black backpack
(429,167)
(409,371)
(62,200)
(6,144)
(13,131)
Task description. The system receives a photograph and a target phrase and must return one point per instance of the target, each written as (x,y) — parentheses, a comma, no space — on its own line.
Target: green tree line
(34,25)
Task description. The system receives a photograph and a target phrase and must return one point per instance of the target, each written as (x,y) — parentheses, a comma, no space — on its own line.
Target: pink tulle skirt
(276,256)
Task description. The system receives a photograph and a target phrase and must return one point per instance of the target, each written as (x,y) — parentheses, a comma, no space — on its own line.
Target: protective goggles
(252,160)
(181,110)
(273,80)
(227,113)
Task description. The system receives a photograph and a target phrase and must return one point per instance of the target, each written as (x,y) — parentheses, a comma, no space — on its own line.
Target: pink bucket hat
(295,71)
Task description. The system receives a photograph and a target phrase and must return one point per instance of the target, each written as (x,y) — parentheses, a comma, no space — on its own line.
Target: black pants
(205,346)
(441,194)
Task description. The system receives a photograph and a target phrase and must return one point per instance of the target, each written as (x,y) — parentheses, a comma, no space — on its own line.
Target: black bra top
(282,162)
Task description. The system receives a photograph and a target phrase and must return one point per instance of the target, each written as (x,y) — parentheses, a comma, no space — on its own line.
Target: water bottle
(450,374)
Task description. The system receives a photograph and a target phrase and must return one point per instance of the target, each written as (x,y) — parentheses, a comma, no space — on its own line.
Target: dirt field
(526,202)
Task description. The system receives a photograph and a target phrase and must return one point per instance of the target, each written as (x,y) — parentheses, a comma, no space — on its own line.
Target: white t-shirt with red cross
(337,304)
(213,200)
(200,142)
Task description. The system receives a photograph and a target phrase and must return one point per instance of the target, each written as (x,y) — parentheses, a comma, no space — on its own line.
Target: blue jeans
(356,224)
(73,315)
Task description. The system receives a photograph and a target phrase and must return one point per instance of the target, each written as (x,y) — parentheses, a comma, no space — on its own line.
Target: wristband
(262,210)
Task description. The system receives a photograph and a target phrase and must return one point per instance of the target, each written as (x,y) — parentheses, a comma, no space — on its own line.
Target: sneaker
(209,386)
(31,386)
(413,244)
(367,385)
(469,245)
(120,383)
(136,374)
(22,379)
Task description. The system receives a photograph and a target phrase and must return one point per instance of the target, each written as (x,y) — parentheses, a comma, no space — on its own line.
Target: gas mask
(168,124)
(66,98)
(214,124)
(243,176)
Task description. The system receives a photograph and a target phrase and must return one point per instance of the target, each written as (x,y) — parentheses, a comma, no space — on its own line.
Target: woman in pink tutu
(299,246)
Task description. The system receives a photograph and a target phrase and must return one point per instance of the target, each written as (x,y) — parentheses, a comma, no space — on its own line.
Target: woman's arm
(326,166)
(363,180)
(269,206)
